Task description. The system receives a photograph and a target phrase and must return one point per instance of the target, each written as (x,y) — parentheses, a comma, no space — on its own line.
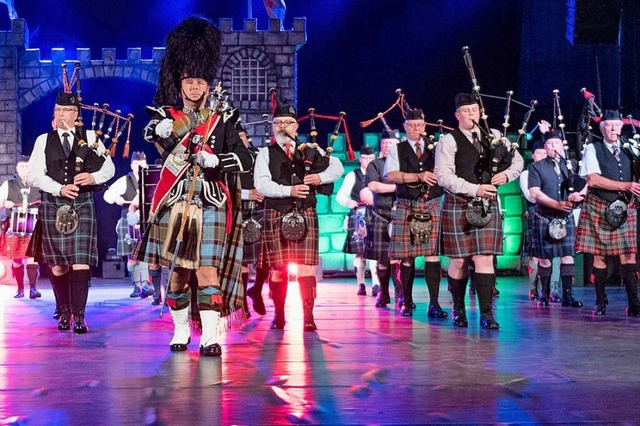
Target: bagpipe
(616,211)
(118,125)
(402,104)
(314,159)
(500,148)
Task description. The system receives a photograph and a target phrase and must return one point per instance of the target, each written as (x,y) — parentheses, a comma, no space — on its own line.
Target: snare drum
(148,179)
(23,221)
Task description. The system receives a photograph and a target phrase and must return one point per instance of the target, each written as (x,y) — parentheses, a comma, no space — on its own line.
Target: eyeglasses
(415,125)
(284,123)
(65,110)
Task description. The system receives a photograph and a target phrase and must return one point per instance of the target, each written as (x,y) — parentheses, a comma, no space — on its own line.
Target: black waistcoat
(469,165)
(63,169)
(611,169)
(358,185)
(287,172)
(14,187)
(410,163)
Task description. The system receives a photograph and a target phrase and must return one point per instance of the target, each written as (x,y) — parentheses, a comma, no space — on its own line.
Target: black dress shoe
(180,347)
(435,311)
(543,301)
(56,313)
(211,350)
(381,301)
(362,290)
(155,302)
(19,294)
(633,311)
(277,324)
(64,323)
(600,309)
(459,318)
(79,325)
(34,293)
(375,290)
(406,311)
(258,302)
(533,295)
(571,302)
(488,322)
(310,325)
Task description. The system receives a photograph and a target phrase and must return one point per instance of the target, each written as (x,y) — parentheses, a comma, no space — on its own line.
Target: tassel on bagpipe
(118,125)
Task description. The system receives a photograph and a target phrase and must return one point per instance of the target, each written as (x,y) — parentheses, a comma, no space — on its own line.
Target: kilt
(543,247)
(401,245)
(278,251)
(528,229)
(14,246)
(377,247)
(126,242)
(460,238)
(211,241)
(352,244)
(596,236)
(251,252)
(80,247)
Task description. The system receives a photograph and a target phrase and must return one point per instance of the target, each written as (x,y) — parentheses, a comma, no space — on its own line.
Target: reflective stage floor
(365,365)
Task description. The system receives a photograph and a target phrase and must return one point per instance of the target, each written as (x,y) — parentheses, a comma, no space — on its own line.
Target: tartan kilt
(251,252)
(211,244)
(278,251)
(401,245)
(527,232)
(460,238)
(14,246)
(596,236)
(356,245)
(126,242)
(543,247)
(378,240)
(80,247)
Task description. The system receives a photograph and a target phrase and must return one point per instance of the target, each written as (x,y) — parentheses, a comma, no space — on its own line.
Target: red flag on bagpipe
(275,9)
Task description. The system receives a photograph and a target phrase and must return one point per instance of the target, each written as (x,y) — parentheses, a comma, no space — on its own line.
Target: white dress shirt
(267,187)
(38,166)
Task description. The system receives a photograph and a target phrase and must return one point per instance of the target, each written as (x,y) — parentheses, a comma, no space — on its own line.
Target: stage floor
(365,365)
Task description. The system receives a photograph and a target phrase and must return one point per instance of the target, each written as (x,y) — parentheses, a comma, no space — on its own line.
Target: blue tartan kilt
(211,246)
(128,236)
(79,247)
(353,243)
(378,242)
(544,247)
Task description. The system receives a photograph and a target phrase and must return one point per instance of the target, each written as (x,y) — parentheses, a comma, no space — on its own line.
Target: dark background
(357,53)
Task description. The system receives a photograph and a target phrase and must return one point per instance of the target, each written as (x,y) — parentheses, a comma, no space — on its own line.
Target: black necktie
(476,142)
(66,145)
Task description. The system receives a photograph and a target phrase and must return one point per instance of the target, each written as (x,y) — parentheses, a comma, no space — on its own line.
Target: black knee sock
(262,274)
(432,276)
(80,288)
(599,275)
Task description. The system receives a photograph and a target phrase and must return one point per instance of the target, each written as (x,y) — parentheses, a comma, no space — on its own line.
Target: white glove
(164,128)
(204,159)
(133,218)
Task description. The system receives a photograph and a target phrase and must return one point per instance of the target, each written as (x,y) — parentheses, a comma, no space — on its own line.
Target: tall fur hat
(193,50)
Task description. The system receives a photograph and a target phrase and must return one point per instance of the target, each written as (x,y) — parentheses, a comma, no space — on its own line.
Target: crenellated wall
(251,62)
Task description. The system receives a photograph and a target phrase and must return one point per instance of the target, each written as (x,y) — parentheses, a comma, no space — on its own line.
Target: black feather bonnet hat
(192,51)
